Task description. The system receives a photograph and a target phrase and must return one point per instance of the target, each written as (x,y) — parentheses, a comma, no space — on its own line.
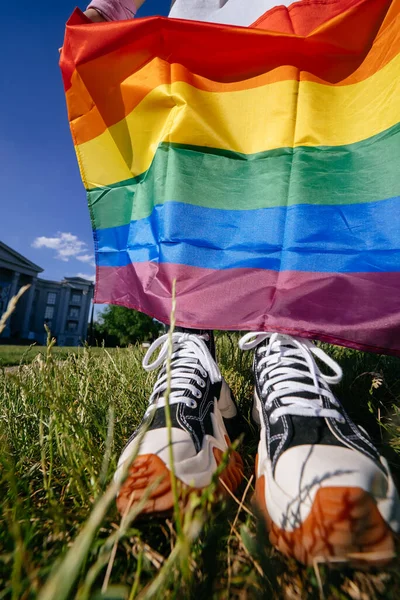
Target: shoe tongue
(306,379)
(207,336)
(209,341)
(304,429)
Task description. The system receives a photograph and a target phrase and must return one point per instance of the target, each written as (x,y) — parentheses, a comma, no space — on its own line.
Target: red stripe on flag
(332,52)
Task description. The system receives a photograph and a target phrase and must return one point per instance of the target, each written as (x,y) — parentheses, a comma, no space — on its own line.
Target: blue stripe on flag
(344,238)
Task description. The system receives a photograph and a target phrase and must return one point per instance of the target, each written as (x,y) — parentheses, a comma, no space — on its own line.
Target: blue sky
(43,212)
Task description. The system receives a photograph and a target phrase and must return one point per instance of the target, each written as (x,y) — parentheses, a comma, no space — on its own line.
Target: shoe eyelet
(203,373)
(197,394)
(202,383)
(192,404)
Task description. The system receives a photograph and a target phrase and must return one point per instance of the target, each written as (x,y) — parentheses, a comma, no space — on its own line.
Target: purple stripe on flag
(360,310)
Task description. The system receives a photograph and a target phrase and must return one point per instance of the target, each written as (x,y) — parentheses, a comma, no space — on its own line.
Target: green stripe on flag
(358,173)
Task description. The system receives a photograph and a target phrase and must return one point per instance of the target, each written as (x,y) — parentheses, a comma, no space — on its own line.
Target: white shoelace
(276,371)
(188,351)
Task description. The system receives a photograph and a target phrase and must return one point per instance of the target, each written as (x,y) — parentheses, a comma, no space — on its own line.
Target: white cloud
(87,258)
(86,276)
(66,246)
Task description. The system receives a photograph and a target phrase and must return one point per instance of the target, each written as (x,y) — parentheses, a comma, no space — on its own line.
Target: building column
(89,308)
(82,325)
(64,303)
(59,307)
(13,290)
(14,285)
(62,320)
(28,310)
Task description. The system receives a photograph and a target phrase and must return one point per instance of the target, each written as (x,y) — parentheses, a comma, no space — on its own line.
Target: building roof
(8,255)
(11,259)
(79,279)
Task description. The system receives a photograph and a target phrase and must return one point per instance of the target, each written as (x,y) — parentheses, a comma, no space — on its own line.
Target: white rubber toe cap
(196,469)
(302,470)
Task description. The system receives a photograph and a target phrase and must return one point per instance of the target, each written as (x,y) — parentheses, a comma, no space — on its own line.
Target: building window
(74,313)
(49,312)
(72,326)
(76,298)
(51,298)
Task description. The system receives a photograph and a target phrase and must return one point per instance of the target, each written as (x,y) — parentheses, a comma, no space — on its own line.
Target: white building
(64,305)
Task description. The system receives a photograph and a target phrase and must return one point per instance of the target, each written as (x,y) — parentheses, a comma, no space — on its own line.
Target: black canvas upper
(292,430)
(196,420)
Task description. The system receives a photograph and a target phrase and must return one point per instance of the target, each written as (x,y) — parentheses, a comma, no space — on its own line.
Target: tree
(122,326)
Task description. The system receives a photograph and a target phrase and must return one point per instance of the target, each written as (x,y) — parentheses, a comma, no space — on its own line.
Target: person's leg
(203,413)
(204,420)
(112,10)
(321,484)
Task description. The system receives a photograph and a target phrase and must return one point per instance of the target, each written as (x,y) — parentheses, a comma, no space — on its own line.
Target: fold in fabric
(256,166)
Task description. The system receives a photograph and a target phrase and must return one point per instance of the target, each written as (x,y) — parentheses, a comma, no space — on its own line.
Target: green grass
(22,355)
(62,426)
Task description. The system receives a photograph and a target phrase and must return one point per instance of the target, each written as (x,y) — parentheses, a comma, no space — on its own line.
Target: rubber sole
(344,525)
(149,468)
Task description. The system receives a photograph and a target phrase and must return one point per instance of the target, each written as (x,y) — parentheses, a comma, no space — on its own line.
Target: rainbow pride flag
(259,167)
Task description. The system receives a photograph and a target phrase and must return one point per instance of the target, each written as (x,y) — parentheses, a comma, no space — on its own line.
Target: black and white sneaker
(321,484)
(204,417)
